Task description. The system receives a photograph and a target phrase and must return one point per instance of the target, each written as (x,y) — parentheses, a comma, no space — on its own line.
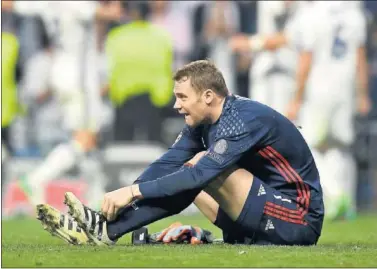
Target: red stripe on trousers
(300,211)
(283,214)
(286,219)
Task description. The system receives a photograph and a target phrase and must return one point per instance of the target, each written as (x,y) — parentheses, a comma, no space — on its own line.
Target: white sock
(341,174)
(330,186)
(333,172)
(349,179)
(60,160)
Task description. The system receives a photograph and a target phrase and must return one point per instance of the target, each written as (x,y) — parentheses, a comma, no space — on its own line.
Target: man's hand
(115,200)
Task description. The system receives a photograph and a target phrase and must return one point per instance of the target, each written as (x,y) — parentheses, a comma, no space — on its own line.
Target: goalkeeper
(245,166)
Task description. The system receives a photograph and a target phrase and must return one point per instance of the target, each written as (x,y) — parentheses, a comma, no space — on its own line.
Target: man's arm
(221,155)
(363,100)
(362,72)
(301,34)
(303,69)
(362,87)
(257,43)
(187,144)
(273,42)
(270,42)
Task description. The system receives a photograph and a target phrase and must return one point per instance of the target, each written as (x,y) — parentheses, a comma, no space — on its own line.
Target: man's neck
(217,110)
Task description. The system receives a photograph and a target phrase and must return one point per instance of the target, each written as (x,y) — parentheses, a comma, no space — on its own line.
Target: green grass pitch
(342,244)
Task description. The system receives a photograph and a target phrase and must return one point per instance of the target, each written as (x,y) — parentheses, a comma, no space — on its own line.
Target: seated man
(246,167)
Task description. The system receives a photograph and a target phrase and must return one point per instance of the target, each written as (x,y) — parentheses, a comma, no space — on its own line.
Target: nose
(177,104)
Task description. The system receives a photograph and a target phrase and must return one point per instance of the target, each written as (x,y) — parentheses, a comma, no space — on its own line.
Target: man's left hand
(115,200)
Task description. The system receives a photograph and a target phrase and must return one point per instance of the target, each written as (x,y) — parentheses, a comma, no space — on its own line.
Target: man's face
(190,103)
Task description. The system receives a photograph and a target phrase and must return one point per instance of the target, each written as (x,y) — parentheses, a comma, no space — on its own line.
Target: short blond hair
(203,75)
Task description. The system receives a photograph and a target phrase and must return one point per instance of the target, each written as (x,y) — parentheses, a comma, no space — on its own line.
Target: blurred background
(96,76)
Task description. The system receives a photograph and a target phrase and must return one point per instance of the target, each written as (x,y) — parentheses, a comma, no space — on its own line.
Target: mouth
(188,119)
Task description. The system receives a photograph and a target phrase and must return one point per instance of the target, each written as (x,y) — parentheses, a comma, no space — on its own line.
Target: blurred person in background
(28,27)
(74,80)
(338,54)
(365,131)
(213,23)
(332,63)
(176,19)
(372,52)
(9,59)
(43,105)
(273,72)
(140,60)
(178,24)
(248,25)
(29,30)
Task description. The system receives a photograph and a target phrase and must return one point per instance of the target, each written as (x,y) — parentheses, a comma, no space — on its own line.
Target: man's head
(199,90)
(137,10)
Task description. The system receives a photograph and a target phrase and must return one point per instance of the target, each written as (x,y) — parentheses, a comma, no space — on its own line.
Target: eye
(182,98)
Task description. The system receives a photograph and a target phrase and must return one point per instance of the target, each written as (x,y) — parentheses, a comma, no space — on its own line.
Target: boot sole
(74,209)
(50,219)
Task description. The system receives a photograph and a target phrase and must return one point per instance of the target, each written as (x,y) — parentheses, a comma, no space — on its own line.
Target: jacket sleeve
(187,144)
(226,151)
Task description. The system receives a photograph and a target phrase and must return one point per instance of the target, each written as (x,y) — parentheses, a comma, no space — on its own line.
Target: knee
(196,158)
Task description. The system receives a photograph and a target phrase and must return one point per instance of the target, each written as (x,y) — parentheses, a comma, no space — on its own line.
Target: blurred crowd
(196,30)
(63,61)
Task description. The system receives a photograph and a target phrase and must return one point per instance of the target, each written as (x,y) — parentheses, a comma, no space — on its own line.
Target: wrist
(135,191)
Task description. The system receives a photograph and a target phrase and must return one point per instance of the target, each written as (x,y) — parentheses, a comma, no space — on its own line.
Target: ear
(208,96)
